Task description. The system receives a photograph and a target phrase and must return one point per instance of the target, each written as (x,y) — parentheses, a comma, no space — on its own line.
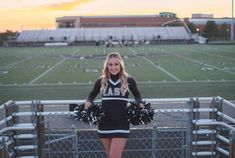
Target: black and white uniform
(115,123)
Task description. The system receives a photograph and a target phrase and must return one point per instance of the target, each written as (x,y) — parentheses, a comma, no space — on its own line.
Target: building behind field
(115,21)
(202,16)
(110,30)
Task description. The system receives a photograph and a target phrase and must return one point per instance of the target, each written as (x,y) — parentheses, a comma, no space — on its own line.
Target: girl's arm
(135,91)
(94,92)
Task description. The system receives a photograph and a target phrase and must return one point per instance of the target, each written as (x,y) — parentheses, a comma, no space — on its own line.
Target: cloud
(65,6)
(24,4)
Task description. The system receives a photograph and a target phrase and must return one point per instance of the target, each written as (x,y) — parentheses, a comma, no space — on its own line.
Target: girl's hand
(141,105)
(87,105)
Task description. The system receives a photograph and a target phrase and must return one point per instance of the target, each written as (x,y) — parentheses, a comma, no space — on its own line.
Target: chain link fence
(164,137)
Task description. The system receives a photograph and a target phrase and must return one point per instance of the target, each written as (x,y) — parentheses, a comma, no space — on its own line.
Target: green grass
(162,71)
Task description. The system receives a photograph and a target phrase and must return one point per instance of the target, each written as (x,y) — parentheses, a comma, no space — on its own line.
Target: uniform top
(113,90)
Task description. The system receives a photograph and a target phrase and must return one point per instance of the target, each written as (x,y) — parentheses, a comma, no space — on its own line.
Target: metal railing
(182,128)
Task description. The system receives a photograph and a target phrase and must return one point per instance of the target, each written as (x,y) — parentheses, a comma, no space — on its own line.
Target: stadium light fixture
(232,25)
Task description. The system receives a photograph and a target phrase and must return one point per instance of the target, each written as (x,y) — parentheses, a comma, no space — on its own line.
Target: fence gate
(59,142)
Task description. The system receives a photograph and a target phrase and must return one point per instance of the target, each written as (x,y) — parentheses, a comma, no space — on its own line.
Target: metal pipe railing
(5,104)
(6,129)
(223,139)
(216,123)
(226,117)
(228,103)
(222,151)
(5,120)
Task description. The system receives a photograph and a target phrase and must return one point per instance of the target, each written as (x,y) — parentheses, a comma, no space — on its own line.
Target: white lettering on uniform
(113,92)
(110,92)
(116,91)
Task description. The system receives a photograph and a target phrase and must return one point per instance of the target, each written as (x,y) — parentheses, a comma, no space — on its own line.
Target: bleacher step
(25,147)
(25,136)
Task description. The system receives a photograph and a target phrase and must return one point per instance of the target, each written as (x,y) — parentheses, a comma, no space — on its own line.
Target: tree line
(4,36)
(212,31)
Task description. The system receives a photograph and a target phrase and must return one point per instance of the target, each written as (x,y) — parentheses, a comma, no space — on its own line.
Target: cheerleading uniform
(114,123)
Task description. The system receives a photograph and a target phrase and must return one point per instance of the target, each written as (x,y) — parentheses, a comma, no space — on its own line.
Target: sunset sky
(17,15)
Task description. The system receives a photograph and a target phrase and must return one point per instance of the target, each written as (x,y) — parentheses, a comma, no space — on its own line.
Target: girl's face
(114,66)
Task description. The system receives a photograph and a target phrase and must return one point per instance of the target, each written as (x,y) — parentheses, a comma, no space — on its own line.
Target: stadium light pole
(232,25)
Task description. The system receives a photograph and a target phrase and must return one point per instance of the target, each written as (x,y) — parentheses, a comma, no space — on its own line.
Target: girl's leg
(106,143)
(116,147)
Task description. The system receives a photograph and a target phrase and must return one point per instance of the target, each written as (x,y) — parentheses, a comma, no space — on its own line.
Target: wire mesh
(163,138)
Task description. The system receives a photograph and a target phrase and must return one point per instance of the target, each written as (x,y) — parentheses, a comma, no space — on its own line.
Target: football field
(161,71)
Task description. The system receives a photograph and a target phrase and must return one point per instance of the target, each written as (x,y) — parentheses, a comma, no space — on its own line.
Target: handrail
(226,117)
(216,123)
(6,129)
(153,100)
(225,140)
(5,104)
(5,120)
(222,151)
(229,103)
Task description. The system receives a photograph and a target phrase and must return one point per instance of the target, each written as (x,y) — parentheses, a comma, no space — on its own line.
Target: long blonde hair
(122,74)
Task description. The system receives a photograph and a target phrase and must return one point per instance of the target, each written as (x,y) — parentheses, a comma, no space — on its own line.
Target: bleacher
(71,35)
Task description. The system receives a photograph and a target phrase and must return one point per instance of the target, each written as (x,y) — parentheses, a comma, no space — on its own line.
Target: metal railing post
(74,139)
(154,144)
(189,128)
(40,130)
(196,116)
(10,109)
(215,103)
(34,120)
(3,149)
(232,144)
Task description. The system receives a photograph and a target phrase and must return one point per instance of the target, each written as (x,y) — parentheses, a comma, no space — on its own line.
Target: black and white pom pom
(90,116)
(137,115)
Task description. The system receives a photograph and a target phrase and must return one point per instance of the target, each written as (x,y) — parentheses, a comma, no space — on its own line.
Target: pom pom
(137,115)
(90,116)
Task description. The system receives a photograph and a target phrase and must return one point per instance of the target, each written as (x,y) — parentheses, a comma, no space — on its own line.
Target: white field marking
(75,51)
(139,82)
(198,62)
(34,80)
(159,67)
(190,81)
(51,68)
(163,70)
(15,63)
(209,65)
(215,55)
(104,50)
(223,51)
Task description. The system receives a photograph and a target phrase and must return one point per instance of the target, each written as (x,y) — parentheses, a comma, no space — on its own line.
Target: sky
(18,15)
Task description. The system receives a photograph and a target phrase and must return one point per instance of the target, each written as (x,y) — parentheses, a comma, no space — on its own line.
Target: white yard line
(162,69)
(104,50)
(223,51)
(141,82)
(75,51)
(215,55)
(51,68)
(196,81)
(15,63)
(221,56)
(159,67)
(198,62)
